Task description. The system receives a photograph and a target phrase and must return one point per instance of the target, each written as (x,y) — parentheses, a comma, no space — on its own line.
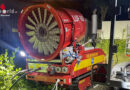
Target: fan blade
(45,14)
(35,46)
(30,33)
(29,18)
(39,12)
(49,46)
(14,30)
(55,38)
(53,43)
(30,27)
(32,39)
(49,20)
(35,17)
(54,31)
(45,50)
(40,49)
(52,25)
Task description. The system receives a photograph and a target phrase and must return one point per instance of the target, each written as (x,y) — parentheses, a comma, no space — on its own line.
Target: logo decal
(2,7)
(6,12)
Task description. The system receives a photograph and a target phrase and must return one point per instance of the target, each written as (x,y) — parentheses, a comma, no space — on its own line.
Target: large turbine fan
(42,30)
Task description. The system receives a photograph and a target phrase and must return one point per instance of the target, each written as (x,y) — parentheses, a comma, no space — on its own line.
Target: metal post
(110,59)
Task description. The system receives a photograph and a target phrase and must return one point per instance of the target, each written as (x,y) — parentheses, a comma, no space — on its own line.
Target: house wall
(120,30)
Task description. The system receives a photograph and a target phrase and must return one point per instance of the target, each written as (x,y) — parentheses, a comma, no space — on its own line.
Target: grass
(121,58)
(118,57)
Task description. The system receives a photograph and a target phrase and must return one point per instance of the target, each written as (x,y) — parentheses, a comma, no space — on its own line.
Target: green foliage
(104,44)
(7,70)
(32,85)
(123,33)
(121,46)
(120,56)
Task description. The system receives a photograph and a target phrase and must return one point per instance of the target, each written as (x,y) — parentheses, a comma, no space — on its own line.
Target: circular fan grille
(43,31)
(40,32)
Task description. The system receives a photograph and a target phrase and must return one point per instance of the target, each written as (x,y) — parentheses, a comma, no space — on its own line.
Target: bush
(7,70)
(104,44)
(121,46)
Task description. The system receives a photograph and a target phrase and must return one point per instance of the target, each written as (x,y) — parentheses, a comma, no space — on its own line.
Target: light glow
(22,53)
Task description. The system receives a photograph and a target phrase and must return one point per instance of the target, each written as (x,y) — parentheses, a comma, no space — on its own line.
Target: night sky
(10,40)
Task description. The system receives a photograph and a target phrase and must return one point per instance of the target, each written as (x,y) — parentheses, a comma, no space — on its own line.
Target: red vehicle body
(75,62)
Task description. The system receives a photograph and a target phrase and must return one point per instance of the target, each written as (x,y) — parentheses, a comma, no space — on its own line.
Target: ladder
(128,41)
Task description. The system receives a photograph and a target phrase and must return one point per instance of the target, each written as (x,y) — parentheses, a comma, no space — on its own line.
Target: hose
(22,71)
(17,80)
(22,76)
(56,85)
(90,40)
